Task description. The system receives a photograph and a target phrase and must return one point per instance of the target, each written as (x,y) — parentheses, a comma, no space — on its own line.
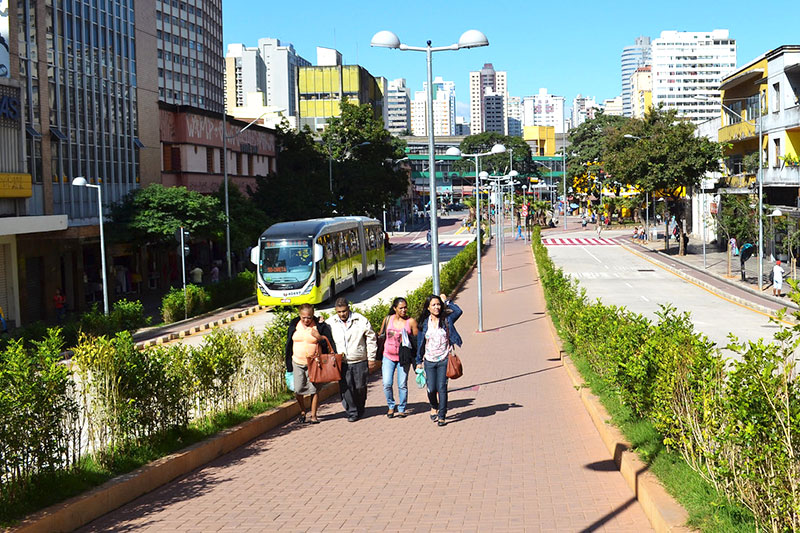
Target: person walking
(437,334)
(304,334)
(196,275)
(398,327)
(777,278)
(354,337)
(60,304)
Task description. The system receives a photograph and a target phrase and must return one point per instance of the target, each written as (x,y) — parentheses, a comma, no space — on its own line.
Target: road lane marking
(645,298)
(628,284)
(591,255)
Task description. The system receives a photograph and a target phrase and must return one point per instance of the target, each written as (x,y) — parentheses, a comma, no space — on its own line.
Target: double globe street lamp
(469,39)
(496,149)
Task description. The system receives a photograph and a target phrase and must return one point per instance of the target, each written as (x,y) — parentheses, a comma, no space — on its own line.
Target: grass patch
(709,510)
(48,489)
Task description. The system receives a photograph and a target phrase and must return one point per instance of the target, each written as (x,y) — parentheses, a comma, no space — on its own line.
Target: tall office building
(691,64)
(190,52)
(74,104)
(245,73)
(462,126)
(398,107)
(282,65)
(641,91)
(514,112)
(488,93)
(544,109)
(633,57)
(583,109)
(444,109)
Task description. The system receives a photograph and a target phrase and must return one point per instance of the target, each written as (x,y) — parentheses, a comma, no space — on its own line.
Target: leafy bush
(175,306)
(737,423)
(232,290)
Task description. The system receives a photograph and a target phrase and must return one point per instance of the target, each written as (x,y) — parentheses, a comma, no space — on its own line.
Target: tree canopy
(153,215)
(589,143)
(247,220)
(499,163)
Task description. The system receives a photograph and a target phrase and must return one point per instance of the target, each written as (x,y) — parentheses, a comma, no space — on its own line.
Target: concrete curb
(80,510)
(716,290)
(663,511)
(163,339)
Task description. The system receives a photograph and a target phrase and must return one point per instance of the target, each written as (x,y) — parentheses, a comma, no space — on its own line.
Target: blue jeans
(402,383)
(436,377)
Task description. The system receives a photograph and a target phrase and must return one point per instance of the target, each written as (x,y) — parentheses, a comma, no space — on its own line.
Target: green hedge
(737,423)
(201,299)
(130,397)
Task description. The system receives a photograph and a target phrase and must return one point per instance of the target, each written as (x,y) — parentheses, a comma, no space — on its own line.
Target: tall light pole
(225,138)
(80,181)
(468,39)
(759,177)
(564,158)
(496,149)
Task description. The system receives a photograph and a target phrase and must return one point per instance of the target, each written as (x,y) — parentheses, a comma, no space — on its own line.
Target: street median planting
(735,423)
(67,426)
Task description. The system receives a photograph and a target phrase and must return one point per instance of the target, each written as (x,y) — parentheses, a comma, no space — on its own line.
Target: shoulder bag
(454,368)
(381,340)
(325,367)
(407,354)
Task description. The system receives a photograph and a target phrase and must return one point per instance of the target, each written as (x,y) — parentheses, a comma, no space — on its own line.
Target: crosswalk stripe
(579,241)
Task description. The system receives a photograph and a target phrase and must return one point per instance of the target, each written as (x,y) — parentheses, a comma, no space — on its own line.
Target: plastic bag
(290,381)
(420,377)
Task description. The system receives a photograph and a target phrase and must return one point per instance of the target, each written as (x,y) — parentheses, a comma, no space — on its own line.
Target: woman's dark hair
(397,301)
(426,313)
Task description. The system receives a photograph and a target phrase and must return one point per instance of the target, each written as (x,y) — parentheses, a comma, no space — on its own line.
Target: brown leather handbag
(454,368)
(325,367)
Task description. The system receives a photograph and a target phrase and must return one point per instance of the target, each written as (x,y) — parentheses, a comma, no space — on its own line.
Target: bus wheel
(355,278)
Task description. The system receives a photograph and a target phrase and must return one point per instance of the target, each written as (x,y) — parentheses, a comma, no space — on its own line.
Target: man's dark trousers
(353,387)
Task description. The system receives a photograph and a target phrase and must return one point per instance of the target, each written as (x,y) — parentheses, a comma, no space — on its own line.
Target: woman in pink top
(394,325)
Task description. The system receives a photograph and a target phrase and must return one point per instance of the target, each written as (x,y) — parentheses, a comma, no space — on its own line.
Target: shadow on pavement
(599,523)
(504,379)
(482,412)
(498,328)
(607,465)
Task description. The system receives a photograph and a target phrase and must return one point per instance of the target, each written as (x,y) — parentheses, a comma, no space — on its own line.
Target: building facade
(488,94)
(641,91)
(544,109)
(583,109)
(613,106)
(398,107)
(688,65)
(190,52)
(245,74)
(282,65)
(633,57)
(541,139)
(462,127)
(444,109)
(514,111)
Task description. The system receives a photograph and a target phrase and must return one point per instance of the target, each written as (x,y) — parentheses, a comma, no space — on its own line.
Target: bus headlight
(308,289)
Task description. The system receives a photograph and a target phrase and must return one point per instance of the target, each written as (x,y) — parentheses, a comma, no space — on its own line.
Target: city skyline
(533,59)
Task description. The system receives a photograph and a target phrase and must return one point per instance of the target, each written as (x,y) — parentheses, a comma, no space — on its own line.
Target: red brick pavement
(519,452)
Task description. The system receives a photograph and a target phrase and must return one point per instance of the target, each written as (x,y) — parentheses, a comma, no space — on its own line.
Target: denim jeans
(436,377)
(402,383)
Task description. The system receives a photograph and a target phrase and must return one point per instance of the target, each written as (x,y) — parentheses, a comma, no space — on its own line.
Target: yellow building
(542,140)
(321,88)
(641,91)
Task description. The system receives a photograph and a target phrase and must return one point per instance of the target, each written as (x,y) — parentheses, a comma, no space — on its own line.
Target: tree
(152,215)
(736,218)
(499,163)
(666,158)
(299,188)
(588,144)
(363,151)
(247,222)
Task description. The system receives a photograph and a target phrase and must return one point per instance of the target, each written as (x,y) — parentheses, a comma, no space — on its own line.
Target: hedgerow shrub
(176,306)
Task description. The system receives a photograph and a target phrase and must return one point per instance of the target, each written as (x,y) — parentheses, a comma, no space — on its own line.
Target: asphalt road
(618,277)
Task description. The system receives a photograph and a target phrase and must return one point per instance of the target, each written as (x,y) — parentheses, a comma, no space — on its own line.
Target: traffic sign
(524,210)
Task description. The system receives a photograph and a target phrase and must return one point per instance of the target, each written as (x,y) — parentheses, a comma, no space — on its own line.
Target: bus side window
(354,242)
(342,245)
(371,239)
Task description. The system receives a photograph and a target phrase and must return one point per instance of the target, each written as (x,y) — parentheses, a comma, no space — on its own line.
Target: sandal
(302,418)
(390,414)
(313,421)
(434,415)
(441,422)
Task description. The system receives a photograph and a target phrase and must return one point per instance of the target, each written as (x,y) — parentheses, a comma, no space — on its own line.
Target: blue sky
(570,47)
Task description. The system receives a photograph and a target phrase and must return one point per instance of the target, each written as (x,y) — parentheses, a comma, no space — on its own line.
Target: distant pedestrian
(353,336)
(428,237)
(215,273)
(60,304)
(397,225)
(437,335)
(519,232)
(400,329)
(599,228)
(3,324)
(777,278)
(196,275)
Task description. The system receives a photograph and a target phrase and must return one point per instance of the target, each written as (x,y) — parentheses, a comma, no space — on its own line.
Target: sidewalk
(519,452)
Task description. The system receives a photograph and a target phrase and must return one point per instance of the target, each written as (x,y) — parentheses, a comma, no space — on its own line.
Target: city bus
(309,261)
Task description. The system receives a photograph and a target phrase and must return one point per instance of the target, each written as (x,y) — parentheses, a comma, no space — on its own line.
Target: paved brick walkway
(519,452)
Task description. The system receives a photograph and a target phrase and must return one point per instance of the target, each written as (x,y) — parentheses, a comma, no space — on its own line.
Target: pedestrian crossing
(579,241)
(451,244)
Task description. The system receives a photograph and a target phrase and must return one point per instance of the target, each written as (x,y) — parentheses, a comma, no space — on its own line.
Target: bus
(309,261)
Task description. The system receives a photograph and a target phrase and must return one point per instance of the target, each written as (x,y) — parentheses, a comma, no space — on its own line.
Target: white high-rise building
(398,107)
(514,113)
(633,57)
(690,64)
(544,110)
(613,106)
(282,66)
(245,74)
(583,109)
(444,109)
(488,89)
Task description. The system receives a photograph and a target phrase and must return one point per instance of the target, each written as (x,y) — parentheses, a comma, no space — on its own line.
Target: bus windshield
(286,263)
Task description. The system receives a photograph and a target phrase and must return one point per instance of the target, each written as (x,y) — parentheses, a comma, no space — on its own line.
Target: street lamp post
(469,39)
(496,149)
(225,138)
(80,181)
(330,159)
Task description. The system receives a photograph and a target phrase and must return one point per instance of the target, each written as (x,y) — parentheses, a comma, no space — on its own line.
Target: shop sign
(16,186)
